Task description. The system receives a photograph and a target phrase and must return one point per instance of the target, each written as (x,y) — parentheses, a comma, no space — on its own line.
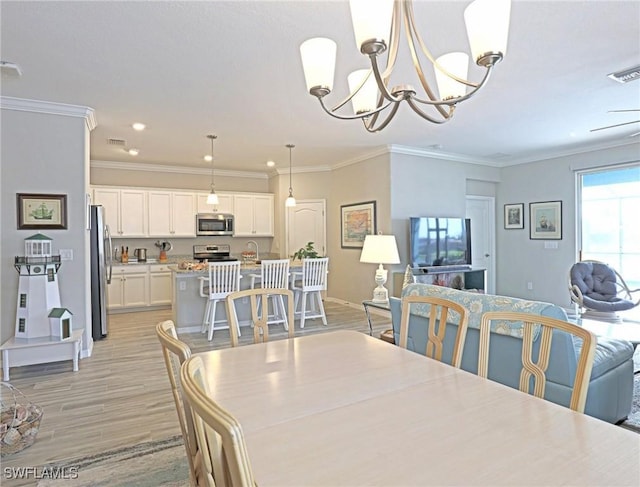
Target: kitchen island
(188,306)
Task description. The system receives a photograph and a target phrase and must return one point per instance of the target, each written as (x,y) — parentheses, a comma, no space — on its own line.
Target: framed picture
(545,220)
(41,211)
(357,221)
(514,216)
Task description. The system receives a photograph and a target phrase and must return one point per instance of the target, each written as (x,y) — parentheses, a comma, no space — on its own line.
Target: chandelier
(377,25)
(212,198)
(290,201)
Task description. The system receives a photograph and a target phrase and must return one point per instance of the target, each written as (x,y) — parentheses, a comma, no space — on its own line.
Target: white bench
(28,351)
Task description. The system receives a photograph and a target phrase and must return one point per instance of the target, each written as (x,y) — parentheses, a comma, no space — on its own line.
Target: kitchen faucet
(257,250)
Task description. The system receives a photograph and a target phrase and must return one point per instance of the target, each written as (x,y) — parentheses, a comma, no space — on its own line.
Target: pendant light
(290,201)
(212,199)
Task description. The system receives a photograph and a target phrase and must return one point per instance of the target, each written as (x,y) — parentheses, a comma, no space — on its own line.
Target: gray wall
(521,260)
(45,153)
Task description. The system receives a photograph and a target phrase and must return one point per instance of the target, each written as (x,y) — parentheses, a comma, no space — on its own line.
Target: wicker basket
(19,420)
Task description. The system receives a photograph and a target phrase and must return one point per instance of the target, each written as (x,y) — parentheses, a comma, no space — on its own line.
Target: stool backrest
(275,273)
(224,278)
(314,274)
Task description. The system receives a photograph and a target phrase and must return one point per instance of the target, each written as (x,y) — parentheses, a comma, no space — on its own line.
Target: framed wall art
(545,220)
(356,221)
(41,211)
(514,216)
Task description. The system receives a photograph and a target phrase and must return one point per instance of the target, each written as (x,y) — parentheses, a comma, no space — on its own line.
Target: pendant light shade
(290,201)
(212,199)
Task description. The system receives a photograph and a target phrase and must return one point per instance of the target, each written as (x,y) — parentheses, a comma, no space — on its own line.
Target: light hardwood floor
(121,395)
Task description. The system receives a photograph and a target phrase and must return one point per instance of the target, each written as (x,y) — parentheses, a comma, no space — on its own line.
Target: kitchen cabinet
(172,214)
(160,285)
(129,287)
(225,203)
(253,215)
(125,210)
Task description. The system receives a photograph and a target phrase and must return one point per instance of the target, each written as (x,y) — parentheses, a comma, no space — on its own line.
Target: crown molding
(50,108)
(129,166)
(444,156)
(301,170)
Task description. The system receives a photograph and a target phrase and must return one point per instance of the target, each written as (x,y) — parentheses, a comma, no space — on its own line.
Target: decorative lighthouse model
(38,312)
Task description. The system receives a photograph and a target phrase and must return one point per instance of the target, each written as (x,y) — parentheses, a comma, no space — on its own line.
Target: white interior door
(306,223)
(481,211)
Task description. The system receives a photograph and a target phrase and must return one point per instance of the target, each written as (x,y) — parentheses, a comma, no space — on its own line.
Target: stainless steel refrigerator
(101,268)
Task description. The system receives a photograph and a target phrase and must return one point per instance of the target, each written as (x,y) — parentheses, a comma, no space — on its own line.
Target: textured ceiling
(232,68)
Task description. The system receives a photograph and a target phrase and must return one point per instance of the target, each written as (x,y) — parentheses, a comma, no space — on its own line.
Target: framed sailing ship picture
(41,211)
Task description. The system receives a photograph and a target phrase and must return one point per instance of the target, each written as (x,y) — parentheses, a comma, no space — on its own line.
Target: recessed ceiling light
(208,158)
(139,126)
(133,152)
(271,163)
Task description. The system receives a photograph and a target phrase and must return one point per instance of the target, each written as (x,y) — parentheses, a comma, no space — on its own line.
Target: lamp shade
(212,199)
(457,64)
(371,20)
(380,249)
(318,62)
(363,81)
(488,26)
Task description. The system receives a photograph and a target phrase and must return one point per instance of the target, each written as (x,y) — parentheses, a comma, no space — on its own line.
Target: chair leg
(205,318)
(303,311)
(283,311)
(321,307)
(212,319)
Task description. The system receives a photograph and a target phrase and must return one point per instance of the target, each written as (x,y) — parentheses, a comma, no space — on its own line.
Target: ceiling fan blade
(625,110)
(635,135)
(616,125)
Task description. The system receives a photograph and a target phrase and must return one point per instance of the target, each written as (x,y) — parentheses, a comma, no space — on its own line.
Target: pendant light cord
(290,146)
(212,138)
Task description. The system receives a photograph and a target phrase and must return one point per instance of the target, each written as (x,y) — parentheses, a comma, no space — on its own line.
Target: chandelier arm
(411,28)
(446,116)
(369,124)
(454,101)
(352,117)
(394,42)
(384,91)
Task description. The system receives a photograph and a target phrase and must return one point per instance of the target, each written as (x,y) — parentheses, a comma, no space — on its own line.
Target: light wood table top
(344,408)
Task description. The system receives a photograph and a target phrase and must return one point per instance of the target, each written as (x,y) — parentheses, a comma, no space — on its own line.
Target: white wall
(45,153)
(521,260)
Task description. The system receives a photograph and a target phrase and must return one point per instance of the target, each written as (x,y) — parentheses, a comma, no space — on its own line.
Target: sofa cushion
(610,353)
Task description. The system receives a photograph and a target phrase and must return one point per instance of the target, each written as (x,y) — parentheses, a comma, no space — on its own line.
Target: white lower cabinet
(129,287)
(160,285)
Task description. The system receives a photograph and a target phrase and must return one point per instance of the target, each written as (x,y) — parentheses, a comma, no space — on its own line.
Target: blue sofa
(611,387)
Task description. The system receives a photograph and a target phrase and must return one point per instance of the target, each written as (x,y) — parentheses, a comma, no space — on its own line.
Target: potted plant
(306,252)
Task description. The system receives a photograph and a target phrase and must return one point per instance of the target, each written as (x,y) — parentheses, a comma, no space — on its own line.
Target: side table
(374,304)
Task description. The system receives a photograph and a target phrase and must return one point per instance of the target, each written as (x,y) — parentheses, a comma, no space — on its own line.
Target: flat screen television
(440,241)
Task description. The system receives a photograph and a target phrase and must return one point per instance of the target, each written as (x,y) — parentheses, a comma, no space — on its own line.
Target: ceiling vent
(117,142)
(626,75)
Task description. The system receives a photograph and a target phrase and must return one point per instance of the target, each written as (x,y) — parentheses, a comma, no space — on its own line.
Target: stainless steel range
(212,253)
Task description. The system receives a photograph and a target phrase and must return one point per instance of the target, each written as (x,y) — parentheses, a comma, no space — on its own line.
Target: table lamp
(380,249)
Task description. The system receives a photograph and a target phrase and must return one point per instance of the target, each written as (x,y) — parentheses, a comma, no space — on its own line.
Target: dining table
(342,408)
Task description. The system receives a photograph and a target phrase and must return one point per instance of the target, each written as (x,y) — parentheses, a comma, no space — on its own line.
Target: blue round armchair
(600,291)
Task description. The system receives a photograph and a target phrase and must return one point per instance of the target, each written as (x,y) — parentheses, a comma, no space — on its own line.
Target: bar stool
(224,279)
(309,284)
(274,274)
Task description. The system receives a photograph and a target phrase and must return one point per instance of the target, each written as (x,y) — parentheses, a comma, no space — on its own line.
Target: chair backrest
(275,273)
(534,373)
(218,432)
(224,278)
(441,311)
(175,352)
(314,274)
(260,316)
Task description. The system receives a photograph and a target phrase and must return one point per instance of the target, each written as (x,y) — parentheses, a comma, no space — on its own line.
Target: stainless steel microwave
(214,224)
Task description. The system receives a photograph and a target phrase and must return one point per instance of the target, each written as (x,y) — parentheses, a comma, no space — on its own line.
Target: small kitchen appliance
(213,253)
(140,254)
(214,224)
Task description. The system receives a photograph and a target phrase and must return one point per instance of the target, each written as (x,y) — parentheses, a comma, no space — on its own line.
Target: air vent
(626,75)
(118,142)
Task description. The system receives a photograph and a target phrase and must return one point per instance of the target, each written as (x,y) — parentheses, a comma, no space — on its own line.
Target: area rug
(159,463)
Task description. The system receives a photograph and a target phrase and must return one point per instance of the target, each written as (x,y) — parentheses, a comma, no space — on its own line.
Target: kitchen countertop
(244,269)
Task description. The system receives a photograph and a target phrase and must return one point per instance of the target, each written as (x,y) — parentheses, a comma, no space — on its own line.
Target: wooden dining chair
(220,435)
(259,314)
(440,312)
(535,372)
(175,353)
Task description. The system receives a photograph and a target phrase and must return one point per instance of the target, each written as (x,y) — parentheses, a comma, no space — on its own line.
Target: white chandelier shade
(378,26)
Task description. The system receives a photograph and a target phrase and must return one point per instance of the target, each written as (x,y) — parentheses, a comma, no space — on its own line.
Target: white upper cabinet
(125,210)
(253,215)
(225,204)
(172,214)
